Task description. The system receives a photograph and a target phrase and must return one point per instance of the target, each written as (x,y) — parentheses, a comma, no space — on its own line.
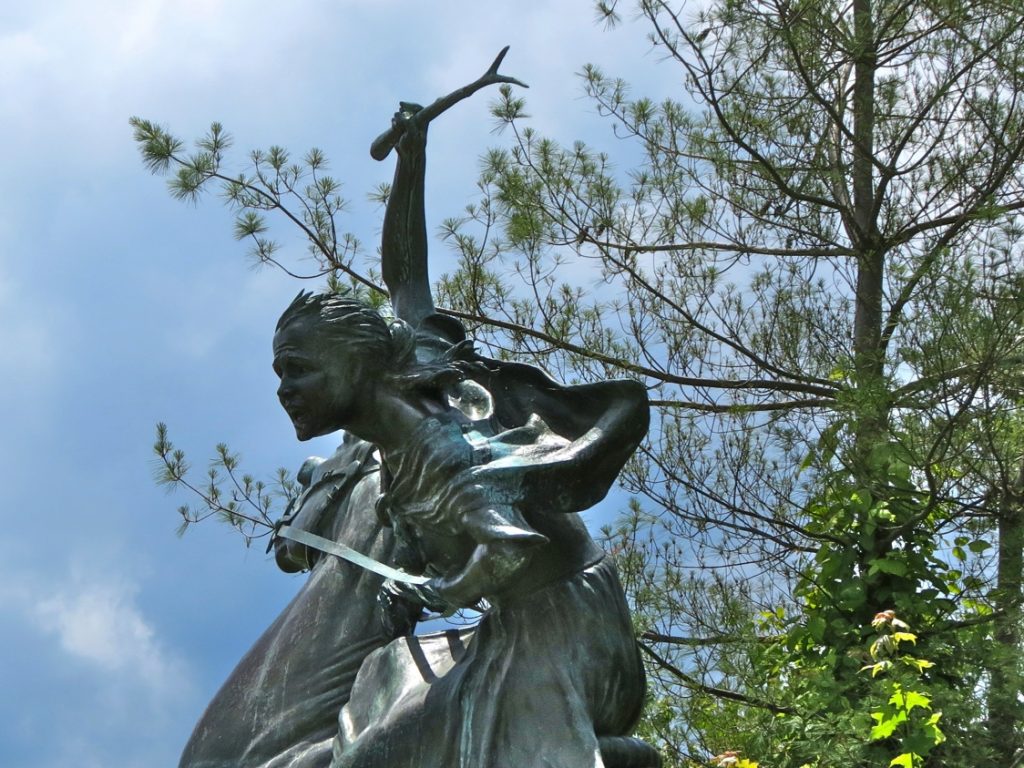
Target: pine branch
(691,682)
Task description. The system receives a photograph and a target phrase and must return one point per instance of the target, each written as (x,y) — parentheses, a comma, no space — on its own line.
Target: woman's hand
(401,605)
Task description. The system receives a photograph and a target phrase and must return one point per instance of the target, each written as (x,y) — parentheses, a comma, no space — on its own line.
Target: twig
(384,143)
(692,682)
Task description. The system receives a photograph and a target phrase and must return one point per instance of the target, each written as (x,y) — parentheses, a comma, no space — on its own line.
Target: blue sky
(120,307)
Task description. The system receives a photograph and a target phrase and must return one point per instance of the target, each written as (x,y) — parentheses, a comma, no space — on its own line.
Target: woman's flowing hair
(389,345)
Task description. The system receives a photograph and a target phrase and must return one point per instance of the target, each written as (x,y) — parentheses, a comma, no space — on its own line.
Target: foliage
(906,716)
(273,181)
(814,267)
(226,493)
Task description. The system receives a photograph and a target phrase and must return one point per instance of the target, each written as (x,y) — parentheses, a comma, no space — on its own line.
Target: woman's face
(319,381)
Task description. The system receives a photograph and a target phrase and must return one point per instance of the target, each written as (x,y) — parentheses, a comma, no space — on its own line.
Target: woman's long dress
(553,665)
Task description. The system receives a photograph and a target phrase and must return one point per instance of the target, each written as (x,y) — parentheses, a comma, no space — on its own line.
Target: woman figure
(488,502)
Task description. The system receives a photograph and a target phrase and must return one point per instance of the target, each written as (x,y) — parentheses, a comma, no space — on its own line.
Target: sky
(120,307)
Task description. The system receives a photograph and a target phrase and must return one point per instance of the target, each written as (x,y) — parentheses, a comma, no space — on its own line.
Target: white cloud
(93,684)
(69,68)
(101,625)
(19,51)
(98,627)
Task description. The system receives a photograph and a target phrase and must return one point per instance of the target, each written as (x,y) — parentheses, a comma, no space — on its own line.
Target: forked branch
(384,143)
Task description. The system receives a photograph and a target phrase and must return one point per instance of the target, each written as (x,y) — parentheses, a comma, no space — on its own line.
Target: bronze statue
(488,506)
(279,706)
(484,466)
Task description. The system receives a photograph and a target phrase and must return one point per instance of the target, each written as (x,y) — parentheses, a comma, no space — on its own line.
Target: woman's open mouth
(295,411)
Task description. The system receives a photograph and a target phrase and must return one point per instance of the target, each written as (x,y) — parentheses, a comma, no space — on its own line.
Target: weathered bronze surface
(485,465)
(279,706)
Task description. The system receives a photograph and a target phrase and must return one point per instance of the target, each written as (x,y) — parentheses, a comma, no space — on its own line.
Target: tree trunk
(1005,680)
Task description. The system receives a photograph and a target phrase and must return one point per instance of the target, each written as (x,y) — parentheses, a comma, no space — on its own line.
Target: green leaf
(919,664)
(816,628)
(887,565)
(912,699)
(906,760)
(886,726)
(853,596)
(878,668)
